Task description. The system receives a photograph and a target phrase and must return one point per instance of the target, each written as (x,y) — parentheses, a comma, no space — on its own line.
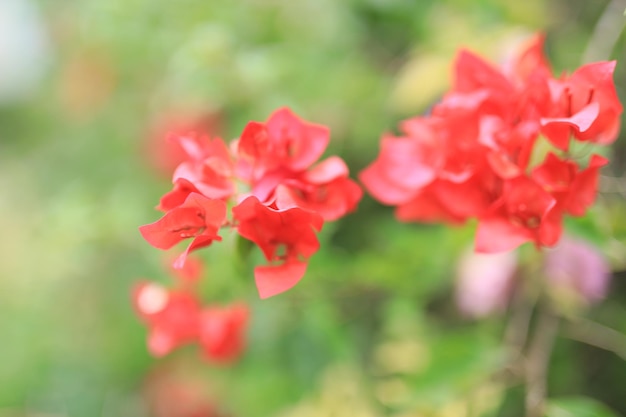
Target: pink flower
(484,282)
(577,267)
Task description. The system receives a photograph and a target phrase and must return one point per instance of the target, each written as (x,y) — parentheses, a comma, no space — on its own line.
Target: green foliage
(577,407)
(372,329)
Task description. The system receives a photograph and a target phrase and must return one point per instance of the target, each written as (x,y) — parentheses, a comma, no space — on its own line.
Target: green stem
(537,361)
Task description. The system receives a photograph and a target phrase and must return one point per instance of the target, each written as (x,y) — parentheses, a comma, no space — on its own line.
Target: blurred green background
(88,90)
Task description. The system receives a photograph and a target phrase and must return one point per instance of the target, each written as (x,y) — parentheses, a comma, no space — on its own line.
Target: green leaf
(577,407)
(243,248)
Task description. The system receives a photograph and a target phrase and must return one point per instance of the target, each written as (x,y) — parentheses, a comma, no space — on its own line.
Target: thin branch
(536,366)
(606,32)
(598,335)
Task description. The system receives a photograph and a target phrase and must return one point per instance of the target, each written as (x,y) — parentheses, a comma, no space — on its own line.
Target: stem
(516,332)
(606,32)
(597,335)
(538,358)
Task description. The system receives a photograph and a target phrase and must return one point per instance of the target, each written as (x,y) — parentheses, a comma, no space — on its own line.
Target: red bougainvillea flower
(585,105)
(574,189)
(284,141)
(209,166)
(198,218)
(286,237)
(222,332)
(173,389)
(166,154)
(402,169)
(172,316)
(178,195)
(279,201)
(479,153)
(325,189)
(524,213)
(280,195)
(190,273)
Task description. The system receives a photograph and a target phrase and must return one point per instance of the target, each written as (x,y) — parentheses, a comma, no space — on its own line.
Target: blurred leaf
(243,248)
(577,407)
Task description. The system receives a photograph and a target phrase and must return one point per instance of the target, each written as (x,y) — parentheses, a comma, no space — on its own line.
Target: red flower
(190,273)
(584,187)
(325,189)
(284,141)
(585,105)
(222,332)
(402,169)
(209,166)
(530,62)
(166,154)
(172,316)
(471,156)
(176,197)
(286,236)
(286,201)
(523,213)
(198,217)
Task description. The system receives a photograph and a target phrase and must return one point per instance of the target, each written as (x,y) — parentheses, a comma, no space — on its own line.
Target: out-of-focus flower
(222,332)
(172,316)
(175,317)
(485,282)
(577,269)
(585,105)
(474,155)
(170,392)
(163,152)
(190,273)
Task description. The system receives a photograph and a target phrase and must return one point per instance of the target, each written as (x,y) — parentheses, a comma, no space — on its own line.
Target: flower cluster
(498,148)
(279,199)
(176,317)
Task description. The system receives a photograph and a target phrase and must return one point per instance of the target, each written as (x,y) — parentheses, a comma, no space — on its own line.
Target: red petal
(327,170)
(584,188)
(272,280)
(198,242)
(173,227)
(497,234)
(307,140)
(176,197)
(253,140)
(581,121)
(473,73)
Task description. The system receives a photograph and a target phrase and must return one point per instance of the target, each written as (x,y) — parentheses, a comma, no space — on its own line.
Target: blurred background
(88,91)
